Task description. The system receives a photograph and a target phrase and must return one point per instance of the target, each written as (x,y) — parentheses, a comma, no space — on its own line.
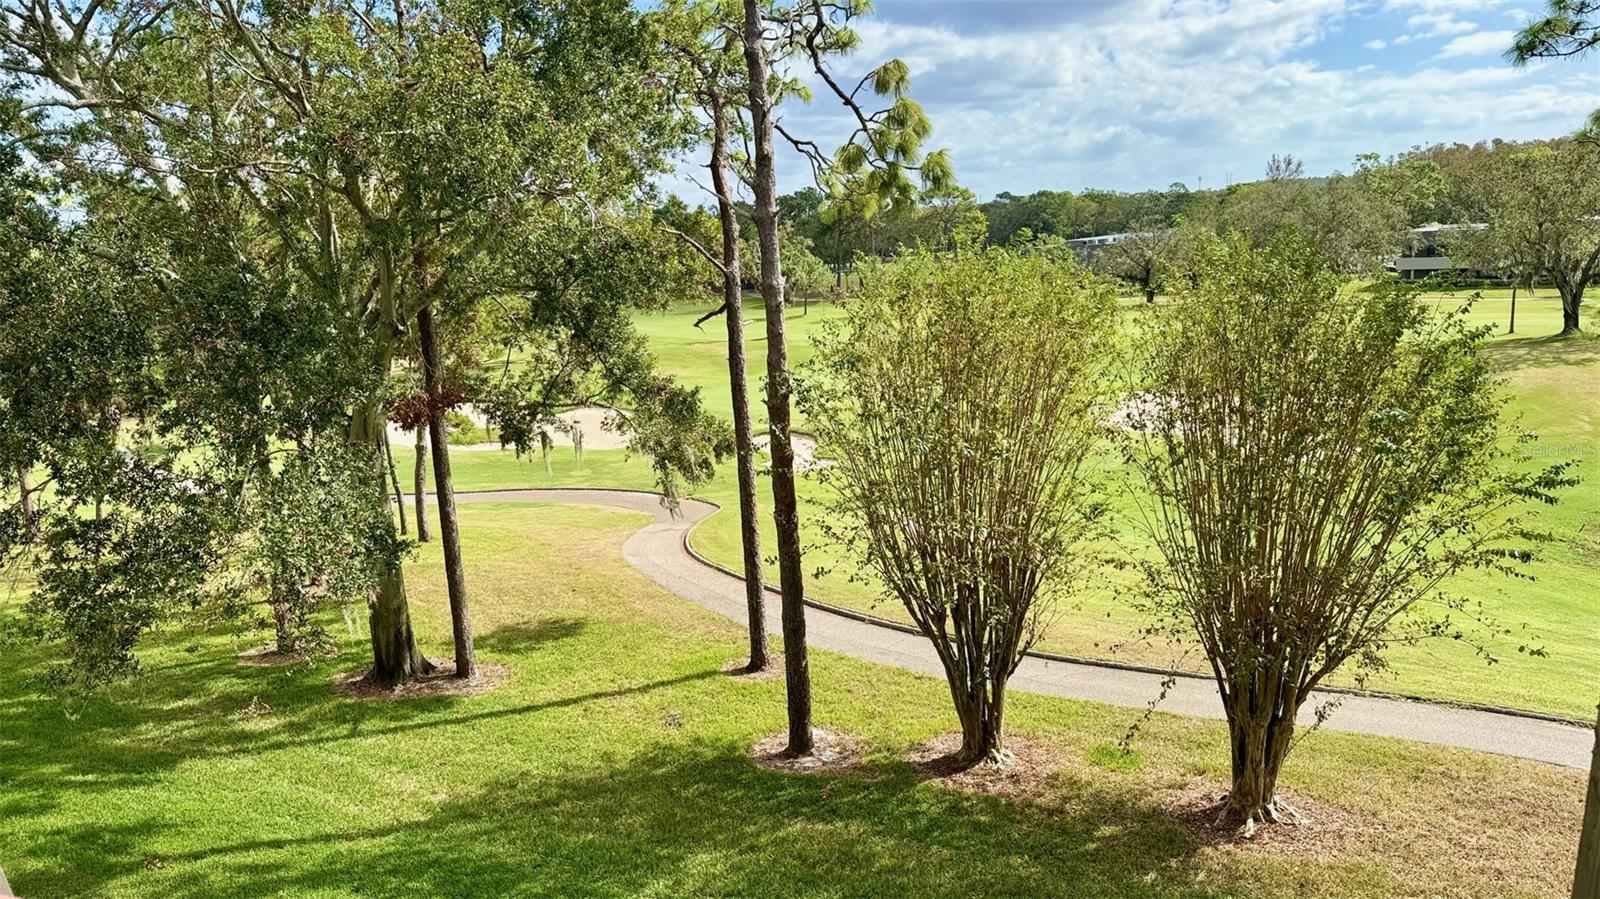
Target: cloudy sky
(1131,94)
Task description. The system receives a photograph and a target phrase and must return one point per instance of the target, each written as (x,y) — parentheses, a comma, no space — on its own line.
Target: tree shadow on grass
(356,730)
(106,756)
(1515,353)
(188,709)
(523,637)
(699,819)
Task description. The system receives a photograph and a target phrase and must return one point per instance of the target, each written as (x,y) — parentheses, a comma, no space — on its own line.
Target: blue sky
(1130,94)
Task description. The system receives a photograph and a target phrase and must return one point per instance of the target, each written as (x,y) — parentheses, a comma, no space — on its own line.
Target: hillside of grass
(613,761)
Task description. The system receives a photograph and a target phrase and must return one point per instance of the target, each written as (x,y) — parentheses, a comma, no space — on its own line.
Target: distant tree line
(1541,200)
(1375,203)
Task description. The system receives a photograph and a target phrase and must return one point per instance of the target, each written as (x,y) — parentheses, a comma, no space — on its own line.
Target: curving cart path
(660,550)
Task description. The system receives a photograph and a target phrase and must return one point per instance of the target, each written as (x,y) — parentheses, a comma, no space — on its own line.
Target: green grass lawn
(699,357)
(613,762)
(1553,385)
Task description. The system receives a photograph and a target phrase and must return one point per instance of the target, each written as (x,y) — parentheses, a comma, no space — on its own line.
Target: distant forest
(1378,197)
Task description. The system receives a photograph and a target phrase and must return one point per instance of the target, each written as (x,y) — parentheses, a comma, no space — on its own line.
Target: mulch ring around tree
(441,681)
(831,752)
(1027,767)
(1326,831)
(735,667)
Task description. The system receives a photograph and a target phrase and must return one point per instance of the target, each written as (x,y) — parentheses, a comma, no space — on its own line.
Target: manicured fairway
(613,762)
(699,356)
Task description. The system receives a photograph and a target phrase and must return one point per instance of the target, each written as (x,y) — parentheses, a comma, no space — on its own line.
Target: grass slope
(613,763)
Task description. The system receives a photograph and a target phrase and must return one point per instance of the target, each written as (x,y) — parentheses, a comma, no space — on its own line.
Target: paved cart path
(660,551)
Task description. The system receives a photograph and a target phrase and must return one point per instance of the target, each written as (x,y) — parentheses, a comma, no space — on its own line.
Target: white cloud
(1376,44)
(1436,18)
(1156,91)
(1482,43)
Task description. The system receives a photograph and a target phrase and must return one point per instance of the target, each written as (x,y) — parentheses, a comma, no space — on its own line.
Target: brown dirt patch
(831,753)
(1328,831)
(440,682)
(774,671)
(1031,765)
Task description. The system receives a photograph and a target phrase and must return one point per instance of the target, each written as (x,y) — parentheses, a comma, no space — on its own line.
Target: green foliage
(1570,29)
(105,580)
(1318,460)
(318,535)
(1542,204)
(1415,181)
(571,319)
(924,435)
(960,397)
(75,343)
(1068,215)
(803,273)
(270,195)
(1147,258)
(683,442)
(1349,219)
(881,166)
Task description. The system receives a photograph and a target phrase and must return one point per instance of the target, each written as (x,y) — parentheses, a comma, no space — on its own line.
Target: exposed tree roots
(740,668)
(1274,811)
(1297,825)
(440,680)
(1021,768)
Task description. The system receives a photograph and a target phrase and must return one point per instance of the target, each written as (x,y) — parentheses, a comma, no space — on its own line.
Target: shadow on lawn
(683,816)
(701,820)
(112,757)
(1549,350)
(192,708)
(523,637)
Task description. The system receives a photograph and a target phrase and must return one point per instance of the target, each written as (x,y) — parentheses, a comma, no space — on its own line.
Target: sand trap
(597,427)
(595,423)
(805,451)
(1134,413)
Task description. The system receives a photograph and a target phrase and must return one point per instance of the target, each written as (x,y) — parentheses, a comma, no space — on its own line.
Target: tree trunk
(1571,299)
(785,512)
(1586,880)
(394,478)
(743,438)
(444,490)
(395,656)
(1260,730)
(1149,294)
(1513,328)
(420,483)
(981,709)
(286,625)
